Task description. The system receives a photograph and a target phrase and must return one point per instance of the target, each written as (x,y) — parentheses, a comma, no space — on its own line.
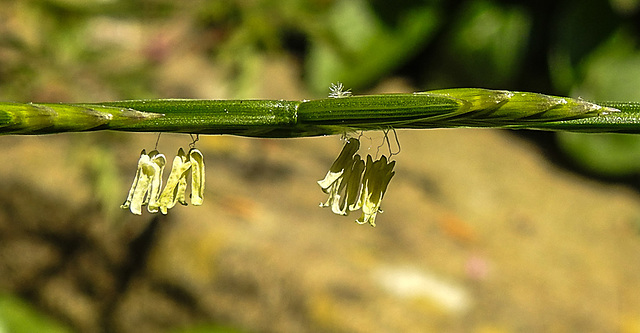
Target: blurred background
(483,230)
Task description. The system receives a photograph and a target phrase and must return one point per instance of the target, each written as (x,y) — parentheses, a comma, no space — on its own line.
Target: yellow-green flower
(343,176)
(147,182)
(344,161)
(343,193)
(176,186)
(353,184)
(375,181)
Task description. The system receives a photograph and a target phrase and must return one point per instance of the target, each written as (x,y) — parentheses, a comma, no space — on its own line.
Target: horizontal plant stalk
(448,108)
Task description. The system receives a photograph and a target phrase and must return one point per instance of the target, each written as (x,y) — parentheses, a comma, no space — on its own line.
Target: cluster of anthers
(147,184)
(354,184)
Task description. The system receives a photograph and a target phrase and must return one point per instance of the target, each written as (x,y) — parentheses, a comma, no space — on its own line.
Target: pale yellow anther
(344,161)
(197,176)
(173,190)
(127,202)
(375,181)
(159,160)
(145,183)
(353,184)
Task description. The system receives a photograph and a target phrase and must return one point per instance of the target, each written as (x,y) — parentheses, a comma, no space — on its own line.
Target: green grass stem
(448,108)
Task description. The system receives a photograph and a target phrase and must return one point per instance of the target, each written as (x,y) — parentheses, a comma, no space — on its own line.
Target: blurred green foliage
(16,316)
(604,154)
(66,50)
(489,41)
(610,72)
(357,46)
